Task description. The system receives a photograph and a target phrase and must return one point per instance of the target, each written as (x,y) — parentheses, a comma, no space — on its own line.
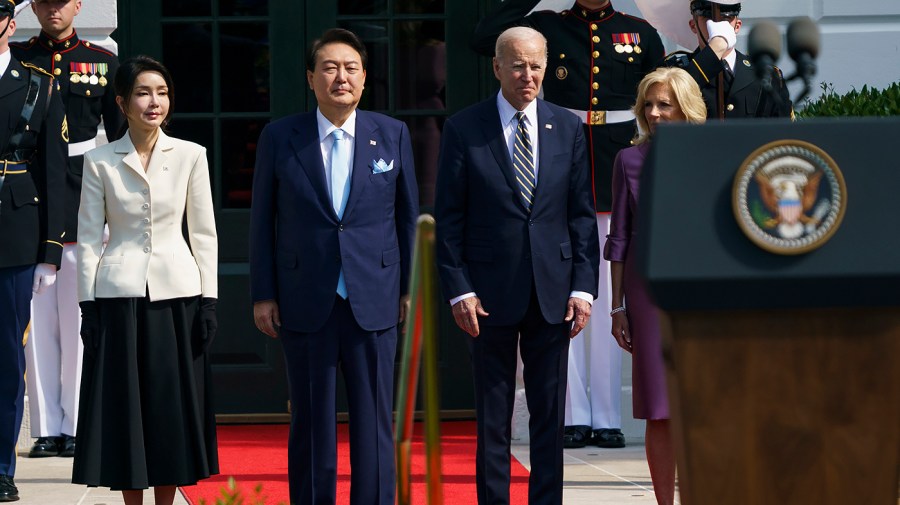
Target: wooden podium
(783,372)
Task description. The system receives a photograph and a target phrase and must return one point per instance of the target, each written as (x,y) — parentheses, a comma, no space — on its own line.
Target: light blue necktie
(340,188)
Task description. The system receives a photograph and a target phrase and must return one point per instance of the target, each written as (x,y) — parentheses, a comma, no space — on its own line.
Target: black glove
(90,327)
(208,326)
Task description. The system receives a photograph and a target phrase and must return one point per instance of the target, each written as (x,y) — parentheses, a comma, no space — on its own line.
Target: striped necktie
(523,162)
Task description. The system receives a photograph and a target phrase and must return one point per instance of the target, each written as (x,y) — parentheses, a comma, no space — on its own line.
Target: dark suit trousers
(545,350)
(366,359)
(15,312)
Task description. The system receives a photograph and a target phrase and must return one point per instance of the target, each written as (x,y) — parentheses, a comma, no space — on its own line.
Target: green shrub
(231,495)
(865,102)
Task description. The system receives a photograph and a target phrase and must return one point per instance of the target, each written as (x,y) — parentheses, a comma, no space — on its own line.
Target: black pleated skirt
(145,414)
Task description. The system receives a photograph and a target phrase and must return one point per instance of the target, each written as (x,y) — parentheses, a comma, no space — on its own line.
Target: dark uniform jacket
(595,61)
(31,198)
(84,76)
(744,95)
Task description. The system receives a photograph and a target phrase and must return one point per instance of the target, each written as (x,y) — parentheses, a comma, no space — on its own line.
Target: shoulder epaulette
(677,59)
(35,67)
(634,17)
(94,47)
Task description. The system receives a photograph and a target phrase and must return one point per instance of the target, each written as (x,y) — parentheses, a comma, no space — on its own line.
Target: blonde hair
(517,34)
(684,88)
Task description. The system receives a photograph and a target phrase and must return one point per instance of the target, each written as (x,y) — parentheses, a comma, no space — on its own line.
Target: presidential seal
(789,197)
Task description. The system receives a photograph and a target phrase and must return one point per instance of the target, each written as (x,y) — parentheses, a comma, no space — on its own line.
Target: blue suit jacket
(297,243)
(487,242)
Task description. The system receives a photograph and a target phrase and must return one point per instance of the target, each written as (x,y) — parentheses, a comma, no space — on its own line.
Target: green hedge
(865,102)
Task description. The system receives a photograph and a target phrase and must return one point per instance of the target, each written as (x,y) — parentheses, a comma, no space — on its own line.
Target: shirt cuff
(584,296)
(461,297)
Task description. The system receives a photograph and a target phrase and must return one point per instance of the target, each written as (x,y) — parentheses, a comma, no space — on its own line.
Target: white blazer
(146,249)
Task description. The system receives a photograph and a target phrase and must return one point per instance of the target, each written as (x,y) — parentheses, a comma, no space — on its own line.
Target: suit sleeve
(53,163)
(112,116)
(91,218)
(583,221)
(262,221)
(202,226)
(616,248)
(406,209)
(507,15)
(451,202)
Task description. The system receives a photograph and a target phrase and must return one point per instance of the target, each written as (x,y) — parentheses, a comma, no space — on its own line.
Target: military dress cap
(7,8)
(727,8)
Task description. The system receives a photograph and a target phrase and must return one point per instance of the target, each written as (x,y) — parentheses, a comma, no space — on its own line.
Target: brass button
(594,100)
(57,57)
(87,44)
(596,54)
(57,71)
(630,59)
(593,26)
(596,39)
(730,106)
(36,199)
(562,55)
(596,85)
(596,70)
(87,92)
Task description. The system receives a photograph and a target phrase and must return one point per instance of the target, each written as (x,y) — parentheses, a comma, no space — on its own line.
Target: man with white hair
(517,252)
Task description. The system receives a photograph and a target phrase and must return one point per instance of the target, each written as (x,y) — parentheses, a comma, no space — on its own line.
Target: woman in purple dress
(666,94)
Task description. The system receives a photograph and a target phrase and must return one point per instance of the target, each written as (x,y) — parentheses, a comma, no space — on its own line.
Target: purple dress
(648,370)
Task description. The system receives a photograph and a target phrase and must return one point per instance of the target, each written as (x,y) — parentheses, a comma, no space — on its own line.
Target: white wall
(860,38)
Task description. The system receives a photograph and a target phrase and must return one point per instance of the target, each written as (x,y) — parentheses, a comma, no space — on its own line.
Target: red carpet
(257,455)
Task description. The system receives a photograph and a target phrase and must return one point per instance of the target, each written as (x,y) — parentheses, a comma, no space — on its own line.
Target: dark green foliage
(865,102)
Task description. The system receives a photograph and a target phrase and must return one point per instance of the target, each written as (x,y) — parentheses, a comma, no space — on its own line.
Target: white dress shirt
(5,58)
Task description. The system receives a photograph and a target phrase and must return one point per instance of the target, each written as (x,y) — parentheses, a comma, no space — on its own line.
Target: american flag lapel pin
(548,126)
(373,143)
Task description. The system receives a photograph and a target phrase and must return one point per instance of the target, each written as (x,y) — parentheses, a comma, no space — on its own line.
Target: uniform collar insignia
(53,44)
(583,13)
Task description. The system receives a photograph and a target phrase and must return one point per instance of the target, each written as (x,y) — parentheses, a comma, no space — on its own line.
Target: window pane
(361,7)
(419,6)
(243,7)
(192,68)
(425,133)
(186,8)
(244,67)
(420,58)
(199,131)
(375,35)
(239,137)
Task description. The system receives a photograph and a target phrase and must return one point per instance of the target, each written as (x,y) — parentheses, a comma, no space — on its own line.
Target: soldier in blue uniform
(744,95)
(83,77)
(597,57)
(32,180)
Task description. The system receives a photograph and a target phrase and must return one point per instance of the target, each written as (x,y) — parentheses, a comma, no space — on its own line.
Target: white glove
(44,277)
(721,29)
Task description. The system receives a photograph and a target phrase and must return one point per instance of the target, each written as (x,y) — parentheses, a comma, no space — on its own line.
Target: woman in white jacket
(147,300)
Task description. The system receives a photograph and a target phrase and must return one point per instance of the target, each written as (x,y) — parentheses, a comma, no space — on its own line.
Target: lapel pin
(548,126)
(14,72)
(373,143)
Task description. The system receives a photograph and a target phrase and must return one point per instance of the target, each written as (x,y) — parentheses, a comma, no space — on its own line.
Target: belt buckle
(598,117)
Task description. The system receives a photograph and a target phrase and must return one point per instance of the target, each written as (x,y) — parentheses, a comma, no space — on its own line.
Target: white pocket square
(379,167)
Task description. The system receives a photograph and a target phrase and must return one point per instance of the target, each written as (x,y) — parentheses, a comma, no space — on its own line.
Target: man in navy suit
(517,253)
(331,235)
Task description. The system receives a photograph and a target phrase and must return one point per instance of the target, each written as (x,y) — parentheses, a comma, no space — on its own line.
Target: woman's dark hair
(131,68)
(336,36)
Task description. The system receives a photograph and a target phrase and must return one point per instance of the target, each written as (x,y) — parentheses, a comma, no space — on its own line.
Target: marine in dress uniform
(32,180)
(83,74)
(597,57)
(744,94)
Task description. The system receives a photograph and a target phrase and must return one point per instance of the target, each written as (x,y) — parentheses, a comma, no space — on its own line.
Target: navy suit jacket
(297,243)
(487,242)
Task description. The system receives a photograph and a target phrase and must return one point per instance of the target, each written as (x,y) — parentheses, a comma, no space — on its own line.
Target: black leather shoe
(45,447)
(8,491)
(576,437)
(608,438)
(68,447)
